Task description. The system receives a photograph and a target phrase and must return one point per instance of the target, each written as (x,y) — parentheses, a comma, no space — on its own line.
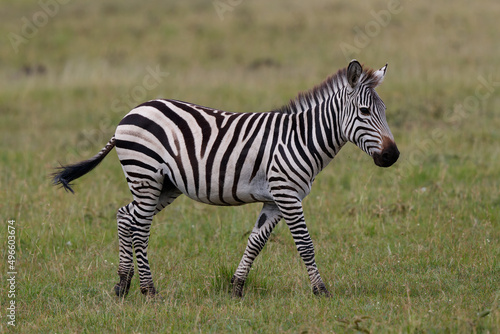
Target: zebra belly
(227,191)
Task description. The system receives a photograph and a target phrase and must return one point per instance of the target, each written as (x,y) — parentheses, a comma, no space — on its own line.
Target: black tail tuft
(65,174)
(61,178)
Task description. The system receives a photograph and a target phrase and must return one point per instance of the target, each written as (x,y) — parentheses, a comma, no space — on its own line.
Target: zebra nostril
(386,156)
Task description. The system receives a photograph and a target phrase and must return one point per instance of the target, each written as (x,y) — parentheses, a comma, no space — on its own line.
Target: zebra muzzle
(388,155)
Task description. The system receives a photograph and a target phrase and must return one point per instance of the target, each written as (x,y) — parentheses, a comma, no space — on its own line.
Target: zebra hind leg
(140,238)
(126,264)
(269,217)
(134,222)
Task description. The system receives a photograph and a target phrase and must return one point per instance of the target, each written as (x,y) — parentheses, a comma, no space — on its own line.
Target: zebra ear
(379,75)
(354,72)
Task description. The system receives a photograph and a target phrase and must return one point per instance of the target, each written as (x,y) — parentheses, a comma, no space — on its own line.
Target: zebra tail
(65,174)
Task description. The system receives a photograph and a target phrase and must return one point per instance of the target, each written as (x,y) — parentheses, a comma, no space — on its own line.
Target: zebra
(169,147)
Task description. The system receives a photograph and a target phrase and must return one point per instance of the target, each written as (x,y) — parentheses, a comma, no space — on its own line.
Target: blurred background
(67,66)
(71,69)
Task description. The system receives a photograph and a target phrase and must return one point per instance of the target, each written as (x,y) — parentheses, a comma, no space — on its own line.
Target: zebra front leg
(294,217)
(126,261)
(269,217)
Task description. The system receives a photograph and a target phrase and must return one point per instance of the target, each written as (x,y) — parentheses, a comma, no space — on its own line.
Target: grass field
(414,248)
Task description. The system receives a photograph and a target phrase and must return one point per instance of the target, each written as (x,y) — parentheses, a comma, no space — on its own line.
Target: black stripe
(262,149)
(138,163)
(284,121)
(319,135)
(212,155)
(225,158)
(133,146)
(299,146)
(206,128)
(285,157)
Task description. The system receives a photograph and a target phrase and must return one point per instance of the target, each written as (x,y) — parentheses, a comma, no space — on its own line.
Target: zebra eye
(365,111)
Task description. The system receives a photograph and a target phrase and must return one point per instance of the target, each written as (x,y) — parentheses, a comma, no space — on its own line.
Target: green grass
(411,248)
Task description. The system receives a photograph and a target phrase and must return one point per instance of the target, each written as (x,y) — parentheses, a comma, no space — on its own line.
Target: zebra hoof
(121,289)
(322,291)
(237,284)
(149,291)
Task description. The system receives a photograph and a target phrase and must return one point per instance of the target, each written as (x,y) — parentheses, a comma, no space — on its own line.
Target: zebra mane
(328,88)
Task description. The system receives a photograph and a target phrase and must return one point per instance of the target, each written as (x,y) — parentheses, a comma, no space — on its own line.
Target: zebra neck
(318,130)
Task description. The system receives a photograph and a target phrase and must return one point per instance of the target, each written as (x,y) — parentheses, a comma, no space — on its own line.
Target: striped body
(168,148)
(217,157)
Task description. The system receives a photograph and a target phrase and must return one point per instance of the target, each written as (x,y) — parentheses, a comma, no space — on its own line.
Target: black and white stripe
(168,148)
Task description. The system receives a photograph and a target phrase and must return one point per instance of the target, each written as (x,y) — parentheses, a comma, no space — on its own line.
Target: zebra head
(364,121)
